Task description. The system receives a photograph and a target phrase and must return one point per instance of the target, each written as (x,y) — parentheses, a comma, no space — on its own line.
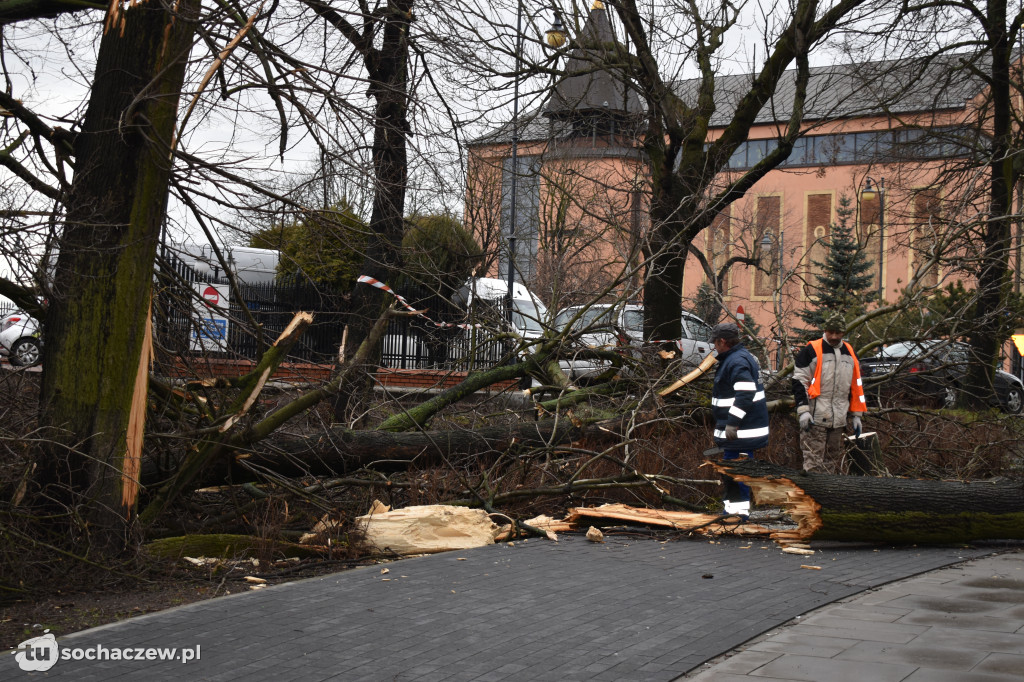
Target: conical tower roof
(588,85)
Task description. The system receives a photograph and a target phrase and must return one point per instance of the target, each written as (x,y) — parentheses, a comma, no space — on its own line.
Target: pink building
(887,138)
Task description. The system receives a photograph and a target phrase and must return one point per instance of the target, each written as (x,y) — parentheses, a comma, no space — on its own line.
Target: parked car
(20,339)
(483,301)
(620,327)
(934,371)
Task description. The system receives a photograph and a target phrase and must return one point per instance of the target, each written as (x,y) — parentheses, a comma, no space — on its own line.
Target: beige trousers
(823,449)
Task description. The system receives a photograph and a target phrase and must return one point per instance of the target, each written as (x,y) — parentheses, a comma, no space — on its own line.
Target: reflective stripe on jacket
(737,399)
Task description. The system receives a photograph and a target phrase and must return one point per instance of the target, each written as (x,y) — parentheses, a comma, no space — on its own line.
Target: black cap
(725,331)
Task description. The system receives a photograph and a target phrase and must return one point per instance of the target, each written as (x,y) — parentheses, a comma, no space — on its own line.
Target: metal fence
(446,336)
(256,315)
(442,338)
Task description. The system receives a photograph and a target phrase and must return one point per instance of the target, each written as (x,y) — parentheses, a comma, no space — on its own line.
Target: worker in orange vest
(827,387)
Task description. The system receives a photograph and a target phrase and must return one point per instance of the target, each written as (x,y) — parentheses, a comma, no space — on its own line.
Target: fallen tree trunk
(339,450)
(890,510)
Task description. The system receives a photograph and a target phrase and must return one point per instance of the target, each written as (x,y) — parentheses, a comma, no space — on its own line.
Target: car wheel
(25,353)
(1013,401)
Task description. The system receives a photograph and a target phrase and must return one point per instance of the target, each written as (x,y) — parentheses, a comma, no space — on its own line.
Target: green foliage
(439,253)
(706,305)
(846,284)
(326,247)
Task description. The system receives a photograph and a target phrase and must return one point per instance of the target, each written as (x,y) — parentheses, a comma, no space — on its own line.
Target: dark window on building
(864,147)
(527,215)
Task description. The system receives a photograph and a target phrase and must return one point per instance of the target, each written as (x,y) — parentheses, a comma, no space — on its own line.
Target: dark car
(931,371)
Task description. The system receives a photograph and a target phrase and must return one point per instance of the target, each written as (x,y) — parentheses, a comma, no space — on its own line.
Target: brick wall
(200,368)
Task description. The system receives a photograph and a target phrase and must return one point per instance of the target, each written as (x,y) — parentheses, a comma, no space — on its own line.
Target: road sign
(209,320)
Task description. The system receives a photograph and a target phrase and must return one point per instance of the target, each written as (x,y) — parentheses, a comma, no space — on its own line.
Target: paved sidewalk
(964,623)
(627,609)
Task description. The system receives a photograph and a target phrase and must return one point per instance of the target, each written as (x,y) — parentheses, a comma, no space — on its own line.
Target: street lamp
(868,194)
(555,37)
(766,245)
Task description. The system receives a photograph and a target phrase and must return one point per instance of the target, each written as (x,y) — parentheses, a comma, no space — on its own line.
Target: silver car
(20,340)
(620,327)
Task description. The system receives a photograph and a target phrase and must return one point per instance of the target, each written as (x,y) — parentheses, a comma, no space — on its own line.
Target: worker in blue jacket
(739,408)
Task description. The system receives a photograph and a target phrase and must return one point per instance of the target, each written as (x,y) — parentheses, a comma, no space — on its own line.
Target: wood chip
(797,550)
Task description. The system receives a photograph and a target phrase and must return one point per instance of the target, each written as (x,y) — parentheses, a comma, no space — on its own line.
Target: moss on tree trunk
(115,209)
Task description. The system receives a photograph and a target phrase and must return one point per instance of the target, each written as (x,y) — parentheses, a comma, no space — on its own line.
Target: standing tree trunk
(102,286)
(688,186)
(387,69)
(988,335)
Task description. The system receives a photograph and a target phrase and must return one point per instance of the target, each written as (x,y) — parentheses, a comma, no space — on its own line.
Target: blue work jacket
(737,399)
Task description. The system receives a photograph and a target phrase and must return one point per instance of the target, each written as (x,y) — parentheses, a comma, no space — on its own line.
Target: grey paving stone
(1003,664)
(944,658)
(933,675)
(951,637)
(571,605)
(955,620)
(815,669)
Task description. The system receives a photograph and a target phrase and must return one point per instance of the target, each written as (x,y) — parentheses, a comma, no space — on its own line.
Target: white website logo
(37,654)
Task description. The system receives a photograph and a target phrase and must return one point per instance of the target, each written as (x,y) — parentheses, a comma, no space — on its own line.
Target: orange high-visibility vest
(857,402)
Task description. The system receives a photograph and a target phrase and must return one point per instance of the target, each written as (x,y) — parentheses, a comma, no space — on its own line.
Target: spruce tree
(845,284)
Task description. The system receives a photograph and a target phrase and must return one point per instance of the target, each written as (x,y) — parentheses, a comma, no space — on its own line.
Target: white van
(472,347)
(528,312)
(250,265)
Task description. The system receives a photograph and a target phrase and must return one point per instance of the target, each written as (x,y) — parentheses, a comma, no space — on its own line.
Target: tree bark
(100,299)
(890,510)
(387,69)
(987,335)
(18,10)
(343,450)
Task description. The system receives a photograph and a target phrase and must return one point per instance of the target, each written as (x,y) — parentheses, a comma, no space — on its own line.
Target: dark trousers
(734,490)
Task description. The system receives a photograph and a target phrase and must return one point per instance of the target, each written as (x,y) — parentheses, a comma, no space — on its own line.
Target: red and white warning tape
(366,279)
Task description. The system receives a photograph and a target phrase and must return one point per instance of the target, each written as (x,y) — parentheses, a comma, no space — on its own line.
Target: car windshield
(595,316)
(526,316)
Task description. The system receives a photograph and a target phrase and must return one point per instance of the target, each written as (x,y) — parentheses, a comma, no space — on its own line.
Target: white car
(620,327)
(20,339)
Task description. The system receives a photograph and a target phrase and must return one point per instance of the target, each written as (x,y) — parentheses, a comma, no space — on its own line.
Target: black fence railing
(256,315)
(442,338)
(446,336)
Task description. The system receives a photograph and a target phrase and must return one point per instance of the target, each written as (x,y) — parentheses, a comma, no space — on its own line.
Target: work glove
(805,421)
(731,432)
(856,425)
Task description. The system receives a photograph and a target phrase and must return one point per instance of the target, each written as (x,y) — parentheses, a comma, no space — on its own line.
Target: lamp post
(554,37)
(513,217)
(868,194)
(766,243)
